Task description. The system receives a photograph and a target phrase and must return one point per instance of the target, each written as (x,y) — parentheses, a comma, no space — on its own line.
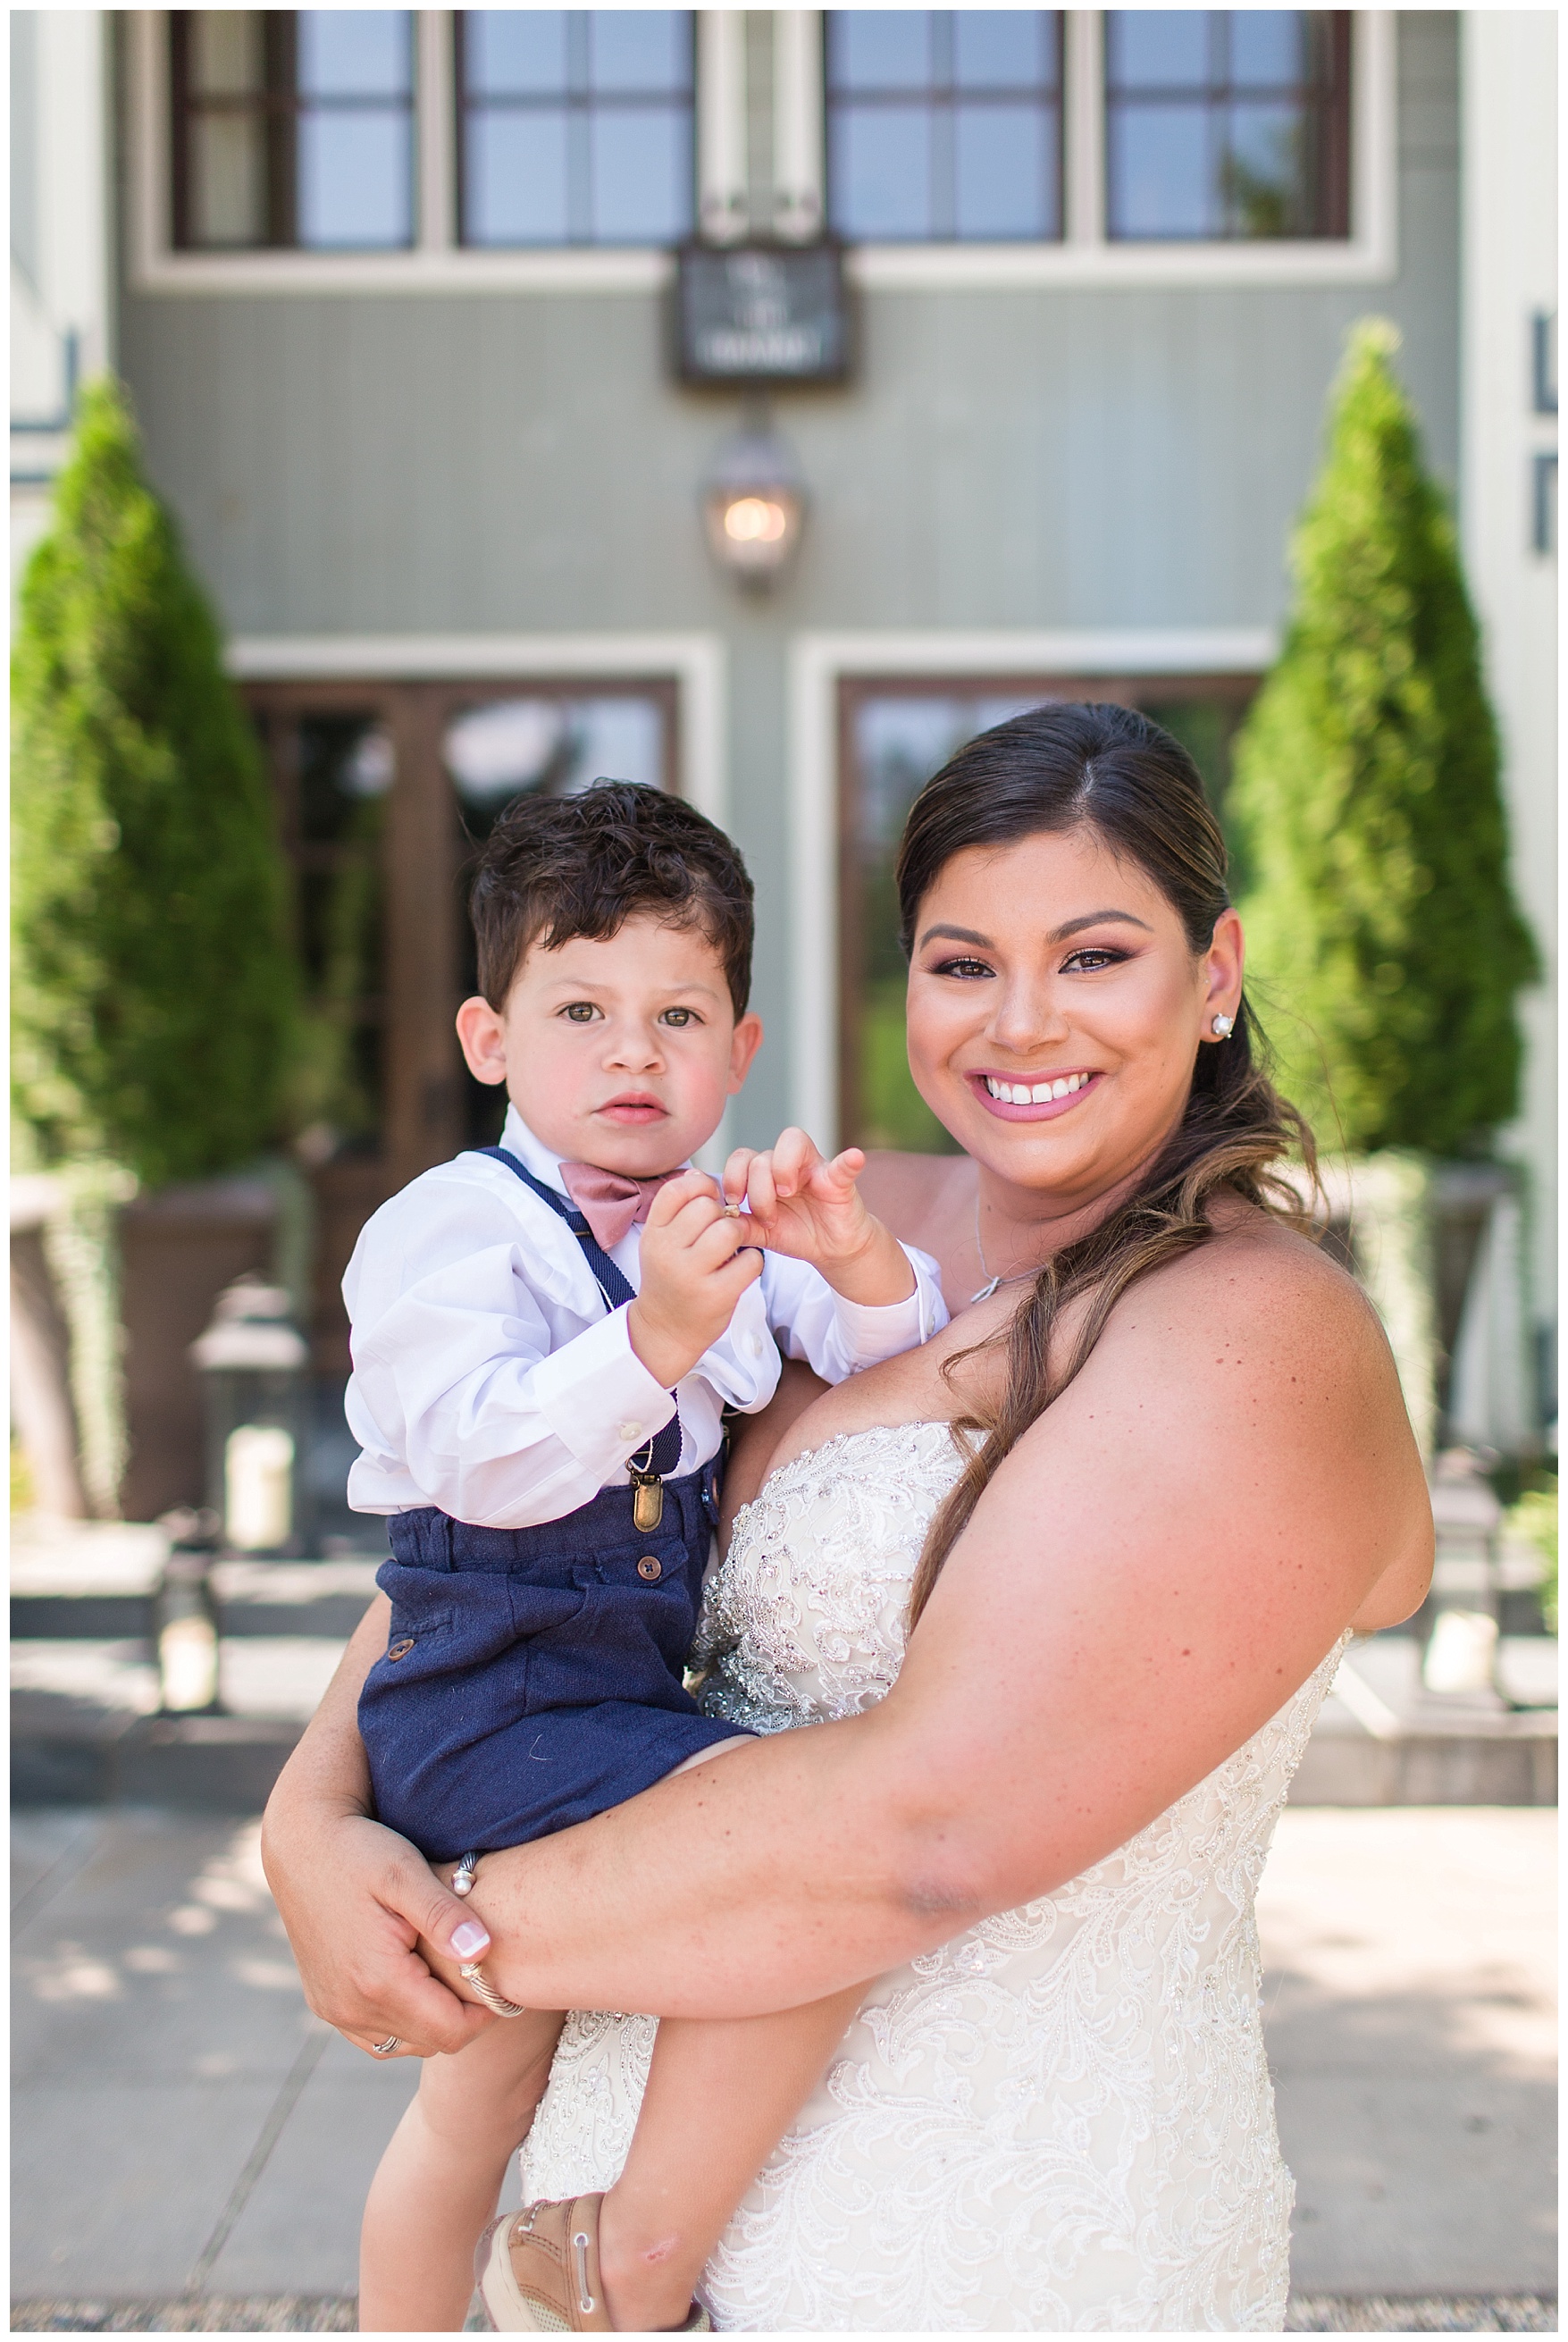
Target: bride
(1129,1504)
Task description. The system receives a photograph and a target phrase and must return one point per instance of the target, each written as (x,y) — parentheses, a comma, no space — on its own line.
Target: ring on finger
(384,2049)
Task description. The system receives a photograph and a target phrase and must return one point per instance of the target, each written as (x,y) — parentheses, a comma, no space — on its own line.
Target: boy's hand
(799,1203)
(694,1273)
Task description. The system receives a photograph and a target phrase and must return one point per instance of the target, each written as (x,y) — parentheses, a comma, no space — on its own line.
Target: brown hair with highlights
(1109,770)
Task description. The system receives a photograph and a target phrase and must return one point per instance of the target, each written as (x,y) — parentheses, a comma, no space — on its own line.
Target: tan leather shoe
(538,2272)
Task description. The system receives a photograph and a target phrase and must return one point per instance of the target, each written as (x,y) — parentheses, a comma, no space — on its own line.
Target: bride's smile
(1049,959)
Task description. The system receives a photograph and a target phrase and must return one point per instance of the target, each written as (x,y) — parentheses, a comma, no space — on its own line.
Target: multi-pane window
(945,124)
(577,125)
(1227,123)
(293,128)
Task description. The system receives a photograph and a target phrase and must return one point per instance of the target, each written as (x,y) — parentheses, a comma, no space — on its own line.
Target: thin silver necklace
(994,1283)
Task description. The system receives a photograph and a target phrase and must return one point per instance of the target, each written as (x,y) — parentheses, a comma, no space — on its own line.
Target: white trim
(1369,255)
(450,271)
(435,131)
(1084,129)
(150,228)
(1374,136)
(696,662)
(818,663)
(722,123)
(799,176)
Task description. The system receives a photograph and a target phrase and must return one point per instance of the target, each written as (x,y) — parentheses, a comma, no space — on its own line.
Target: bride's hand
(799,1202)
(355,1899)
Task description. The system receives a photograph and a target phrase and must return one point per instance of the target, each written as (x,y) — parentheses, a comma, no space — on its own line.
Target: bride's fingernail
(469,1939)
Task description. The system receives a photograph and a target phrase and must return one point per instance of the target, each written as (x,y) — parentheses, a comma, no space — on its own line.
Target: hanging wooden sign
(761,312)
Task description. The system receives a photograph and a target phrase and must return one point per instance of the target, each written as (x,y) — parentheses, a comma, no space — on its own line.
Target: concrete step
(1508,1760)
(1384,1740)
(86,1728)
(194,1764)
(98,1581)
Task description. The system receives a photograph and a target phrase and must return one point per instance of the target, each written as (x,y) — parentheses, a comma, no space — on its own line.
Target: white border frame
(721,125)
(437,263)
(698,663)
(817,664)
(798,125)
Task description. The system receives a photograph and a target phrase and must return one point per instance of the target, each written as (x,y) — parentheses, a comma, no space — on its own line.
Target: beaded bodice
(1061,2120)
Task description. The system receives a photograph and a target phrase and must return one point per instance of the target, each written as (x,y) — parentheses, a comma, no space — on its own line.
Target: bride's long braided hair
(1109,770)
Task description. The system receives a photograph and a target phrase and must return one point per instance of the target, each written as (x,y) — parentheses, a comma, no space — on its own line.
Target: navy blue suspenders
(663,1451)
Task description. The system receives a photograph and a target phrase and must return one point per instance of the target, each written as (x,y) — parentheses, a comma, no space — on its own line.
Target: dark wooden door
(386,790)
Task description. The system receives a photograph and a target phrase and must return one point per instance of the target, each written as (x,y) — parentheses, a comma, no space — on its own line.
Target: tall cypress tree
(154,987)
(1382,928)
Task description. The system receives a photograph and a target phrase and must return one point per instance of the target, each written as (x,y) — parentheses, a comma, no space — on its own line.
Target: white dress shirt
(492,1381)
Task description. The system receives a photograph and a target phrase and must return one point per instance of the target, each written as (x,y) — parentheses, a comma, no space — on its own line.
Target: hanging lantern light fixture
(754,506)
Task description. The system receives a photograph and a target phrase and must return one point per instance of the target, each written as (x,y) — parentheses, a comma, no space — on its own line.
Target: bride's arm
(1161,1562)
(357,1898)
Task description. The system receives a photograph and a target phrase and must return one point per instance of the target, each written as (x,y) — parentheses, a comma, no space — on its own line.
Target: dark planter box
(179,1249)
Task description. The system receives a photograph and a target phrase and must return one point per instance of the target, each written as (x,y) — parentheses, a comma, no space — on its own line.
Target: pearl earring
(1223,1028)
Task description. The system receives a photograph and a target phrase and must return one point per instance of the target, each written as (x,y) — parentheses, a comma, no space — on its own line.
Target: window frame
(1334,204)
(574,102)
(437,263)
(281,106)
(1086,256)
(940,99)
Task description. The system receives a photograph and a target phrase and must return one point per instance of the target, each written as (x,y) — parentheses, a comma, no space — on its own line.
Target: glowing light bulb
(755,520)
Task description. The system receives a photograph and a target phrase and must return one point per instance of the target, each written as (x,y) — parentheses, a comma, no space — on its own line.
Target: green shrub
(1381,927)
(153,983)
(1534,1520)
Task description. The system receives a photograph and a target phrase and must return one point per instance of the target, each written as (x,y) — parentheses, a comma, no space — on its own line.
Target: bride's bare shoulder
(1268,1291)
(1257,1366)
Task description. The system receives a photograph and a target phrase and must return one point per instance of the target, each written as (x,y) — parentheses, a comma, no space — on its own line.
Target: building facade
(395,296)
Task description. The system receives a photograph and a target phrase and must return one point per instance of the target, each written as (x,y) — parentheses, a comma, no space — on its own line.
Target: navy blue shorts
(531,1678)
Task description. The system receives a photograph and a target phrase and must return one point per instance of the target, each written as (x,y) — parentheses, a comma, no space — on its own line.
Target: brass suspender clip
(647,1499)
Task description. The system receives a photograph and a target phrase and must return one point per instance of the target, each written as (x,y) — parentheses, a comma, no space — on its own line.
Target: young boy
(544,1337)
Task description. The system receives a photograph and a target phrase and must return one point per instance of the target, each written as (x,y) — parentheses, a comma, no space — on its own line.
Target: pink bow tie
(608,1201)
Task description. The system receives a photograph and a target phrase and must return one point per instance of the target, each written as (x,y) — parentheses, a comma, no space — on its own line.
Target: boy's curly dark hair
(555,868)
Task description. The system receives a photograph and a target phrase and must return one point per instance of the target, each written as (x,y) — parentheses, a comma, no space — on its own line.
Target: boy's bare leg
(438,2181)
(721,2095)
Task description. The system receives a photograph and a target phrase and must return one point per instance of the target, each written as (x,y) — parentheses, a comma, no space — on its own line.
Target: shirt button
(627,1430)
(754,1345)
(650,1567)
(401,1650)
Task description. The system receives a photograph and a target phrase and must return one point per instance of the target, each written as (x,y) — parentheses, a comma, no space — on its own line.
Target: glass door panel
(549,741)
(385,789)
(345,766)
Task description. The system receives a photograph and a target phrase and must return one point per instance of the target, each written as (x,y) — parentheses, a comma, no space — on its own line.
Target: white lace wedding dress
(1060,2122)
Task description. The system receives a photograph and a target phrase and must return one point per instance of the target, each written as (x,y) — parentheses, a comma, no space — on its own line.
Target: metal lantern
(754,507)
(252,1358)
(188,1632)
(1462,1614)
